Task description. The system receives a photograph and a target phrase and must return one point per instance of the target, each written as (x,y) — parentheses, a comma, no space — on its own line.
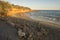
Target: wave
(49,16)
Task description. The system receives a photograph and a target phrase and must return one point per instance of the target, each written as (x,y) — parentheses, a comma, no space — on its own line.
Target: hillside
(11,9)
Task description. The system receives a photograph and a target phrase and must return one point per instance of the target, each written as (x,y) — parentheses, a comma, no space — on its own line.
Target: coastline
(16,23)
(43,22)
(48,23)
(23,15)
(32,29)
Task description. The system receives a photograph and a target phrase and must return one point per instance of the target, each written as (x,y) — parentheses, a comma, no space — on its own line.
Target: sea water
(46,15)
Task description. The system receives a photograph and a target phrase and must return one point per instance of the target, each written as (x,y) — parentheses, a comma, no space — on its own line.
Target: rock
(20,33)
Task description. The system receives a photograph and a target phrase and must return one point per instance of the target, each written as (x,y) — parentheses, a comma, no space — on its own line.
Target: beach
(29,20)
(26,29)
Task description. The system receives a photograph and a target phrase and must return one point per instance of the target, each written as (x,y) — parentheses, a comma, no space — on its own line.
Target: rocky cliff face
(20,12)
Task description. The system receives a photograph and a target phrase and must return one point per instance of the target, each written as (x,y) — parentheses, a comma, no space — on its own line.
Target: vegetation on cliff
(6,7)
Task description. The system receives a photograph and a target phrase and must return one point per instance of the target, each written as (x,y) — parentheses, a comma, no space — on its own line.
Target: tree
(5,7)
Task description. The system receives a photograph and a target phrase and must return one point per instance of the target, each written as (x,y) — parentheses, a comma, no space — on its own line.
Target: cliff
(11,9)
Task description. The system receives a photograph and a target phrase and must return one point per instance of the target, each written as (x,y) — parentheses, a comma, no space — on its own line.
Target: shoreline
(31,28)
(44,22)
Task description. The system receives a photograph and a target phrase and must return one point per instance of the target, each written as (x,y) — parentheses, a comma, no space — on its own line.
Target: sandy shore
(50,24)
(43,22)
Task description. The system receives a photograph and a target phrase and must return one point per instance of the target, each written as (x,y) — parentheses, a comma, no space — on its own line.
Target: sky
(38,4)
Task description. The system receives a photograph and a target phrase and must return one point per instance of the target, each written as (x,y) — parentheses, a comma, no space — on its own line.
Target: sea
(52,16)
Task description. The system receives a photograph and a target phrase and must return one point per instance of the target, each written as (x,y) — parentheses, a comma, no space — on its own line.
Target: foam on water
(46,15)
